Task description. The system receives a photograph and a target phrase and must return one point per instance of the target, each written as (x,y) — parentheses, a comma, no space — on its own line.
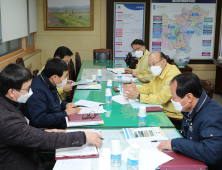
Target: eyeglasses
(137,49)
(90,115)
(27,89)
(153,64)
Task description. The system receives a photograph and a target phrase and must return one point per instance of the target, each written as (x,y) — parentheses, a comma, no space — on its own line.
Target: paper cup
(115,147)
(93,77)
(142,111)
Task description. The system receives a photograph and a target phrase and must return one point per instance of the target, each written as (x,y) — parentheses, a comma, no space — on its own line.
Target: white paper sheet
(98,109)
(104,159)
(88,103)
(74,124)
(126,78)
(90,86)
(149,159)
(114,70)
(70,164)
(120,99)
(136,104)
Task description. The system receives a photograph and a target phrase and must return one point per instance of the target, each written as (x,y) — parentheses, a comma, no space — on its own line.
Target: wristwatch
(138,97)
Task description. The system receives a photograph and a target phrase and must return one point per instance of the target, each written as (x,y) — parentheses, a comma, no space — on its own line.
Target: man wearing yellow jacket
(65,54)
(141,72)
(158,90)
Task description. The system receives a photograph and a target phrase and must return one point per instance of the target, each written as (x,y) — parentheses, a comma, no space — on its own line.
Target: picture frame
(68,15)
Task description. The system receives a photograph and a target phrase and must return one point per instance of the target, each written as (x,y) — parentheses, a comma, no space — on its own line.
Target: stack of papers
(86,150)
(114,70)
(88,103)
(83,81)
(136,104)
(120,99)
(93,86)
(98,109)
(88,123)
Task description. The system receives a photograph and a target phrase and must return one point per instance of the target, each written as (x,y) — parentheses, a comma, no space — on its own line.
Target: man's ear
(10,93)
(190,97)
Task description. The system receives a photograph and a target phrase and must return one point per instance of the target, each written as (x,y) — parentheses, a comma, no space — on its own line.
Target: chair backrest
(207,87)
(78,63)
(72,75)
(133,62)
(72,72)
(102,54)
(128,58)
(35,73)
(20,62)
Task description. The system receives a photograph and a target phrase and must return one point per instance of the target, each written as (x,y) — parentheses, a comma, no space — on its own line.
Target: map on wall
(183,25)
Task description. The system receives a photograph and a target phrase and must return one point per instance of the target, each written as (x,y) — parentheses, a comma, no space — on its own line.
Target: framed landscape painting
(68,14)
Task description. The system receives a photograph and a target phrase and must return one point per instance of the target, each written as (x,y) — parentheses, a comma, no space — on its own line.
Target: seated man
(141,72)
(65,54)
(158,90)
(18,140)
(45,109)
(201,125)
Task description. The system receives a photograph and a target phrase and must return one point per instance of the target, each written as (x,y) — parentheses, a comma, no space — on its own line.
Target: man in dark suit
(18,140)
(45,108)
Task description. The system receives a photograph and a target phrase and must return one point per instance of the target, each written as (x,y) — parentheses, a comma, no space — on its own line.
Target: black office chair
(102,54)
(128,58)
(78,64)
(72,76)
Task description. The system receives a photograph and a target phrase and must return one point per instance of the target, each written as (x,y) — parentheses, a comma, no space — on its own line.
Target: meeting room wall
(78,41)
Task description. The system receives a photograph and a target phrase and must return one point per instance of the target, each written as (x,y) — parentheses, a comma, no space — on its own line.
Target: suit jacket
(202,133)
(19,141)
(44,109)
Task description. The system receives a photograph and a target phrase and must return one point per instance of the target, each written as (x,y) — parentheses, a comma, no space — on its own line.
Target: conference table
(117,115)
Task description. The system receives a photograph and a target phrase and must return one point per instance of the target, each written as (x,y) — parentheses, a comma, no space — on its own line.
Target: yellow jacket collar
(165,71)
(145,54)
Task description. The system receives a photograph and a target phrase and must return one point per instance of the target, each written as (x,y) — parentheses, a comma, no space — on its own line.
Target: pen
(102,138)
(71,82)
(158,140)
(78,106)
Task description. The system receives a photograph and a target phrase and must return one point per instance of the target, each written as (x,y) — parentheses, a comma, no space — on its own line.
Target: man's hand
(165,145)
(70,105)
(129,87)
(55,130)
(135,75)
(132,94)
(94,138)
(71,110)
(128,70)
(67,88)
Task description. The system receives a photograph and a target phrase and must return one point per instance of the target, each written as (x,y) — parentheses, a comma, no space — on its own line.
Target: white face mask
(156,70)
(63,83)
(139,54)
(24,98)
(178,106)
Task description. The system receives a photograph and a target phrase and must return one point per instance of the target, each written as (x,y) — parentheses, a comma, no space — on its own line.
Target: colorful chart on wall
(187,25)
(129,22)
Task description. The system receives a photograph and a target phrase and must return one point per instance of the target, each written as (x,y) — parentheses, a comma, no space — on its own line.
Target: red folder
(154,109)
(182,162)
(79,118)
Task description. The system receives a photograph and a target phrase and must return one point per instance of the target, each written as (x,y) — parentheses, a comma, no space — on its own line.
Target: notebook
(182,162)
(79,117)
(154,109)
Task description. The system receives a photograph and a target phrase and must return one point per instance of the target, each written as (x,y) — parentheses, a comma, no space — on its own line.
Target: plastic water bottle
(109,84)
(119,76)
(142,116)
(115,153)
(133,157)
(108,95)
(99,76)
